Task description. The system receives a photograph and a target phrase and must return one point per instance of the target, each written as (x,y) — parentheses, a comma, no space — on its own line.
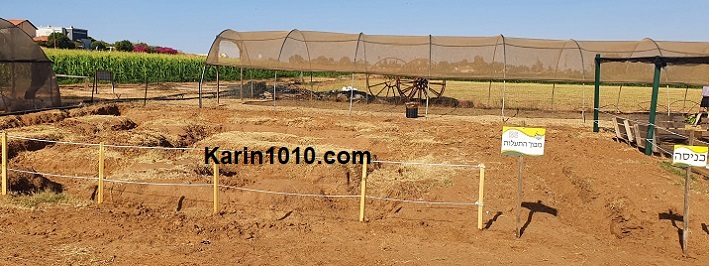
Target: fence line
(216,185)
(52,175)
(654,125)
(197,149)
(656,128)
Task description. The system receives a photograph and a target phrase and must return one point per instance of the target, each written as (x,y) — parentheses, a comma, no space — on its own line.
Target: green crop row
(131,67)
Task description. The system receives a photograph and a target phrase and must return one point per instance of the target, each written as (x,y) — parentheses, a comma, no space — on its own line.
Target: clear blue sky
(191,26)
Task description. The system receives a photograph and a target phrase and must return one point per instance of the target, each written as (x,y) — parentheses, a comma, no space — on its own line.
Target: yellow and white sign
(523,141)
(690,156)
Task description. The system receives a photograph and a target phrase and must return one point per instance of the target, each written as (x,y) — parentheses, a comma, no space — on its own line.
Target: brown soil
(588,200)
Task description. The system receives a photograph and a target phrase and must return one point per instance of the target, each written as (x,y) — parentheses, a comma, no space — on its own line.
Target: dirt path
(588,200)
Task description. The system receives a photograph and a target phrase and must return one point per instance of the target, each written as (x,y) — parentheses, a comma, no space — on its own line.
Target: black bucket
(412,110)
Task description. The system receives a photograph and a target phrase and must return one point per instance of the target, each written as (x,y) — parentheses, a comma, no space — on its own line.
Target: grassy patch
(676,170)
(41,199)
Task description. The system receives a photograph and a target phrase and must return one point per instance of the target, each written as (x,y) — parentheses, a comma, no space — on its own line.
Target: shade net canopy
(469,58)
(27,81)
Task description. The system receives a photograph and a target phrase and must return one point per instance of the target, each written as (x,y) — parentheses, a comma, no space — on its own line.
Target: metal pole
(617,101)
(217,85)
(275,80)
(668,100)
(653,106)
(201,80)
(101,166)
(430,65)
(597,92)
(553,88)
(145,95)
(684,102)
(351,94)
(241,79)
(489,90)
(427,98)
(519,195)
(251,78)
(4,163)
(215,187)
(504,76)
(685,216)
(583,102)
(366,80)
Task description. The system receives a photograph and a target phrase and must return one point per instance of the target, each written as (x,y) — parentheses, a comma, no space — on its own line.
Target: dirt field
(588,200)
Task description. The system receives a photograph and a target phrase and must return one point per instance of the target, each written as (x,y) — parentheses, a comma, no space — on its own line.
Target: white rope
(151,147)
(429,164)
(350,196)
(156,184)
(424,202)
(260,190)
(53,141)
(289,193)
(52,175)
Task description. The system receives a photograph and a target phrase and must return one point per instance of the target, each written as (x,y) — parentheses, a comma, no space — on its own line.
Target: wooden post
(217,85)
(519,191)
(685,216)
(215,185)
(145,94)
(519,194)
(4,163)
(100,173)
(480,196)
(363,187)
(553,89)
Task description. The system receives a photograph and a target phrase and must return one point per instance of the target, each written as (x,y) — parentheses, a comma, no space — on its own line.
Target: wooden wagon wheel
(418,88)
(390,85)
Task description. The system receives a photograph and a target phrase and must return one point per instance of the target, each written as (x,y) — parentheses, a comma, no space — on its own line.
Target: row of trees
(59,40)
(127,46)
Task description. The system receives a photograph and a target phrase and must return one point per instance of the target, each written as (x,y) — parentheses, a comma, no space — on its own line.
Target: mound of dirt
(44,132)
(43,117)
(106,109)
(10,121)
(92,124)
(446,101)
(27,183)
(182,133)
(146,138)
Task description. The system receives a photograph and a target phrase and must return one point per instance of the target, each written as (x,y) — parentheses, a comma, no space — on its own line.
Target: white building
(46,31)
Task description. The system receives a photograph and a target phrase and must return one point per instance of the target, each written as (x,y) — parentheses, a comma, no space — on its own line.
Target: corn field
(132,67)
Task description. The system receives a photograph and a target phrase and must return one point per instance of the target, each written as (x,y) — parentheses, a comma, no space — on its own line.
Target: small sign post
(520,142)
(688,156)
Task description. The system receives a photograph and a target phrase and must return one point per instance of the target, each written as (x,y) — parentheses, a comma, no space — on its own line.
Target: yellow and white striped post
(4,163)
(363,187)
(215,185)
(101,151)
(480,203)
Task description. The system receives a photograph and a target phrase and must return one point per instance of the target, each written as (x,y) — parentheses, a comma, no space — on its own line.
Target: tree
(142,48)
(124,46)
(59,40)
(99,45)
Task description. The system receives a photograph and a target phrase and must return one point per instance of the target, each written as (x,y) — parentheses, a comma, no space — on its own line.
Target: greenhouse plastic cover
(27,81)
(470,58)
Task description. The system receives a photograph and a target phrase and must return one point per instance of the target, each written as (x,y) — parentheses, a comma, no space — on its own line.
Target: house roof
(17,22)
(41,39)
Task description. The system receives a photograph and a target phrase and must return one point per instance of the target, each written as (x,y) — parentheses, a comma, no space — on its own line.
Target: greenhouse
(27,81)
(469,58)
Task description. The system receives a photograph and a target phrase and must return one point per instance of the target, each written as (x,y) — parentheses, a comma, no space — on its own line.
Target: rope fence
(216,184)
